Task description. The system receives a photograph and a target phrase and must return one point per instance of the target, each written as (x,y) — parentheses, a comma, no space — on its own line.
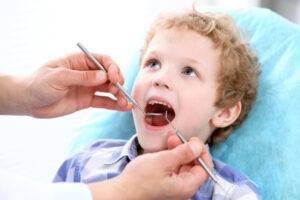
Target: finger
(114,74)
(193,177)
(75,61)
(129,106)
(113,89)
(185,168)
(108,103)
(80,60)
(68,77)
(102,88)
(121,97)
(122,80)
(122,102)
(113,70)
(173,141)
(184,153)
(206,157)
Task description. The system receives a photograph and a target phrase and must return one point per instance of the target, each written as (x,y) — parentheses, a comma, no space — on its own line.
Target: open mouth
(162,109)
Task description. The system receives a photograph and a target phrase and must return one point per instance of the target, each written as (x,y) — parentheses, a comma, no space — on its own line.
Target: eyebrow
(152,53)
(157,53)
(193,61)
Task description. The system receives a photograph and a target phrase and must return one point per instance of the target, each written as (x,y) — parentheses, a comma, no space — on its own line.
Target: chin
(152,143)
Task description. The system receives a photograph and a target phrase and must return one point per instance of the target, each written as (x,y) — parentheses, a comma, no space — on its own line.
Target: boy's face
(178,74)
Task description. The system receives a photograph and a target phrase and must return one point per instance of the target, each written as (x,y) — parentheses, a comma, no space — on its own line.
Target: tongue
(156,120)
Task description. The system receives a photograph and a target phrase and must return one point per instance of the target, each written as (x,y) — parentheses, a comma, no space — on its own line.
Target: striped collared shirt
(106,159)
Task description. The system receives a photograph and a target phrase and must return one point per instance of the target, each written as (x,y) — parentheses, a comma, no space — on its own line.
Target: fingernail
(129,106)
(123,102)
(196,148)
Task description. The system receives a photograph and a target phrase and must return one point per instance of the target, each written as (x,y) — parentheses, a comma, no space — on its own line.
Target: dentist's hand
(173,142)
(162,175)
(69,84)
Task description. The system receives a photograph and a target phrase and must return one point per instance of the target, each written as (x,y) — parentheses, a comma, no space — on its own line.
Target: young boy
(196,68)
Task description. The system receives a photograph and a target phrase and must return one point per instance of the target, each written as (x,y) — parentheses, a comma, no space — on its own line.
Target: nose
(162,80)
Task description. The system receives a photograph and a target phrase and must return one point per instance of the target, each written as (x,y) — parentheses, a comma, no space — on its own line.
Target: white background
(34,31)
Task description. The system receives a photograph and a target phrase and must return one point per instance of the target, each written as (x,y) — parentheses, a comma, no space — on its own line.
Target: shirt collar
(128,151)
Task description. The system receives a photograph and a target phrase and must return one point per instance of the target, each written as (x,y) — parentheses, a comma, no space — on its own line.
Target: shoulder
(100,148)
(241,186)
(103,150)
(104,144)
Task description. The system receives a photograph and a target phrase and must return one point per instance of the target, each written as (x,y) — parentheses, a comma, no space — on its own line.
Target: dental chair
(266,146)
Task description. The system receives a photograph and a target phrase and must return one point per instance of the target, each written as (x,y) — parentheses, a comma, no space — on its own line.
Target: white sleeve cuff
(14,187)
(74,191)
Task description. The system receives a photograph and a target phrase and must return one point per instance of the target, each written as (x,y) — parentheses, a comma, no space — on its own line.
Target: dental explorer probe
(201,162)
(118,85)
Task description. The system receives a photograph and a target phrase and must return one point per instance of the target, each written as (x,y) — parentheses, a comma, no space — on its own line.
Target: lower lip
(154,128)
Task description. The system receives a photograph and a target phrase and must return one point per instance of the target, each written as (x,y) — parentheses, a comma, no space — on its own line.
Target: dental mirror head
(153,114)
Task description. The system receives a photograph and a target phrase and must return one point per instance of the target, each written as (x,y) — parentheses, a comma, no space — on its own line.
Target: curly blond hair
(237,77)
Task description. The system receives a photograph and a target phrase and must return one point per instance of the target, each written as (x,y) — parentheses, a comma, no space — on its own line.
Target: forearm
(13,95)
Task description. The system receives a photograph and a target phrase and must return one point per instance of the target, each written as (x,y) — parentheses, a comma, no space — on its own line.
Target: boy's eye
(189,71)
(152,63)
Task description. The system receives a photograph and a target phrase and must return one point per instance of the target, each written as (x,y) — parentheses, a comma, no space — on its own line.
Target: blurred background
(34,31)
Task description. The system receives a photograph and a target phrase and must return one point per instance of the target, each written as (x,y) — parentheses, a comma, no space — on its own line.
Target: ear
(226,116)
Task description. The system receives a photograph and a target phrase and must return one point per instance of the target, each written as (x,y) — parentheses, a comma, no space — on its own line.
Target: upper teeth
(159,102)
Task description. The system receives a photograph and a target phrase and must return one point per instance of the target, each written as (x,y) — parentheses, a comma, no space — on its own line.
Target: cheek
(197,109)
(134,91)
(137,87)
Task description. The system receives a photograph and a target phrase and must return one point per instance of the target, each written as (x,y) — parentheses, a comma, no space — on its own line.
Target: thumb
(185,153)
(69,77)
(173,140)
